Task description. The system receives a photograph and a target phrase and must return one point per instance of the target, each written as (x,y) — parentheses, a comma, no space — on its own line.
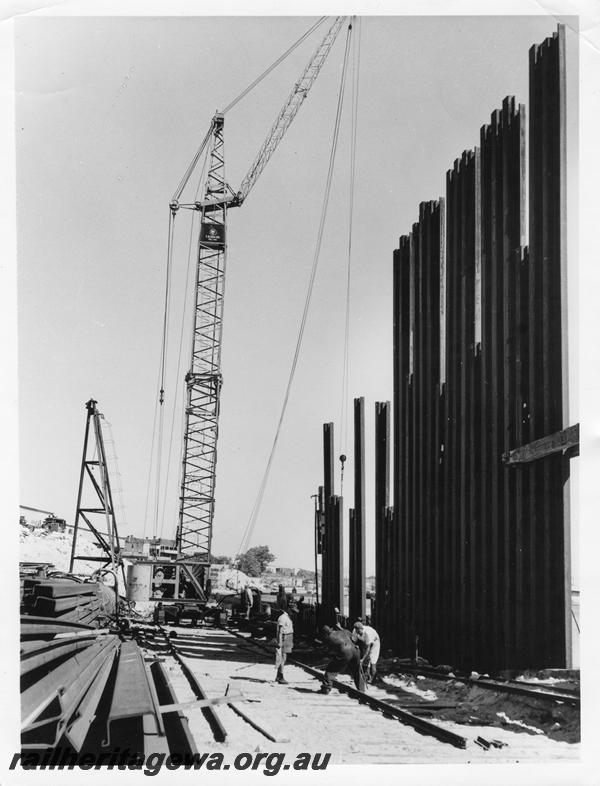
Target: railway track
(389,710)
(286,715)
(533,690)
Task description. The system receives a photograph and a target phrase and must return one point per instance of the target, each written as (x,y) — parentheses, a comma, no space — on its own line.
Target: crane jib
(202,409)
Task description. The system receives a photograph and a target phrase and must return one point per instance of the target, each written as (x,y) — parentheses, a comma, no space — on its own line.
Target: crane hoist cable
(180,352)
(353,135)
(177,377)
(158,427)
(151,463)
(163,359)
(263,485)
(193,164)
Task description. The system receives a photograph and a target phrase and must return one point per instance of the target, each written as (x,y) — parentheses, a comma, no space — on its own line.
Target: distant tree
(219,559)
(255,560)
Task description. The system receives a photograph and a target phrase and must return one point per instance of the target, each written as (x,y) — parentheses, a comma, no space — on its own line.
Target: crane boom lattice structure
(290,108)
(203,380)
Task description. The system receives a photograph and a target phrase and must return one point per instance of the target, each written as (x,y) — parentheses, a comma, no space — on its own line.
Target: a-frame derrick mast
(94,484)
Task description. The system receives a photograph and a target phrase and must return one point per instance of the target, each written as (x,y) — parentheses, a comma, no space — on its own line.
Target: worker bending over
(368,642)
(285,644)
(346,658)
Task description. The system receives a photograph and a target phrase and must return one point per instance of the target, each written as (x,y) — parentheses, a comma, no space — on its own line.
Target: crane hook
(342,462)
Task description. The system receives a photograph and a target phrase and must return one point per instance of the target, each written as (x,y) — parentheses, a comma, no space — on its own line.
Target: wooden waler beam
(565,441)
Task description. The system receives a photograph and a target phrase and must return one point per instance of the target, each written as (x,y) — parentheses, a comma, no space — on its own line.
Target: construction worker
(369,644)
(159,614)
(285,644)
(282,598)
(248,599)
(346,658)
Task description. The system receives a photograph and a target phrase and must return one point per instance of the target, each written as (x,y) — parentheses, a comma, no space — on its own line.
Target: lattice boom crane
(203,380)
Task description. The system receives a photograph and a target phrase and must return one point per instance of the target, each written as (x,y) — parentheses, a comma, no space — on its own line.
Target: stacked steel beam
(67,600)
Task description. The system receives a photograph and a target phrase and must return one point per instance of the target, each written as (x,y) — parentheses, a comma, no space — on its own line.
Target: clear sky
(109,111)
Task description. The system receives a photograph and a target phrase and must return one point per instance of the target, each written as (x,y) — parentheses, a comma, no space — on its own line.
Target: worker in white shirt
(248,601)
(367,639)
(285,644)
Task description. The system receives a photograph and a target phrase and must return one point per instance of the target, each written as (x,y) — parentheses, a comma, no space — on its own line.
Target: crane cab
(178,586)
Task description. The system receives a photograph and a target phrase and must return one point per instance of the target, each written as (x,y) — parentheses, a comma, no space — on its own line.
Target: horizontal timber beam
(560,442)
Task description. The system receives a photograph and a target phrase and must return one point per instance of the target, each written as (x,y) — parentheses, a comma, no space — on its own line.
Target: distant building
(161,548)
(286,571)
(135,547)
(153,548)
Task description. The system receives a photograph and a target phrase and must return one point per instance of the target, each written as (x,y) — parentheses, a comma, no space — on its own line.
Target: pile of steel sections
(64,670)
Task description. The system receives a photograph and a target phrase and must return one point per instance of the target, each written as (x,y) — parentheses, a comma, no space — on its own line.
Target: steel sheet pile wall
(476,560)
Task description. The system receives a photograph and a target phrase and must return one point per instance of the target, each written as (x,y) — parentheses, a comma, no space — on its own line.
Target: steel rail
(77,729)
(209,712)
(47,656)
(41,626)
(134,696)
(29,648)
(179,736)
(541,692)
(502,686)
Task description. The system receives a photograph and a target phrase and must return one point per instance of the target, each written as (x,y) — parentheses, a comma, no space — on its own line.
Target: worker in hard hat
(346,658)
(284,644)
(369,644)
